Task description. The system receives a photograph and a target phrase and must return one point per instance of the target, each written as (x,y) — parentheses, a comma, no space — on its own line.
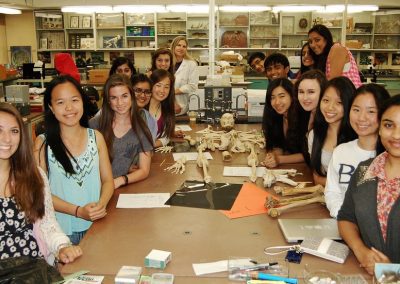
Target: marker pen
(264,276)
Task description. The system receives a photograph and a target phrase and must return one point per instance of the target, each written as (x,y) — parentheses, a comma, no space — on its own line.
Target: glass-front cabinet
(50,31)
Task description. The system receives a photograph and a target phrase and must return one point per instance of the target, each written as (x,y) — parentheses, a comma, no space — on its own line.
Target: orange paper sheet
(250,201)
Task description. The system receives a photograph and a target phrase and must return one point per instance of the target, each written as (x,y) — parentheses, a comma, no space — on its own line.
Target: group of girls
(333,59)
(334,127)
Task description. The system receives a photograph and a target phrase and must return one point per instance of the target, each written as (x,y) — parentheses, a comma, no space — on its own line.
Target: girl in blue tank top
(71,152)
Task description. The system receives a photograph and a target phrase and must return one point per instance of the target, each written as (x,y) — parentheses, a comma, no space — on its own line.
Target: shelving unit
(366,33)
(140,31)
(169,26)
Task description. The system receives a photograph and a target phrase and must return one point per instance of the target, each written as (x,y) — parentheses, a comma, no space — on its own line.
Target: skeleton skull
(227,121)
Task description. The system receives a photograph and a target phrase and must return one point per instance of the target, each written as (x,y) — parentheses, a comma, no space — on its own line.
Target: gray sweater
(360,208)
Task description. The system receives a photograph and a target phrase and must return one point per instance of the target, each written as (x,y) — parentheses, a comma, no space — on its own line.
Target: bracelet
(126,179)
(76,211)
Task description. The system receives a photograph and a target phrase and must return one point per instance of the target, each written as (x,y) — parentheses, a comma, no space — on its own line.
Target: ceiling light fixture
(10,11)
(201,9)
(87,9)
(295,8)
(140,8)
(249,8)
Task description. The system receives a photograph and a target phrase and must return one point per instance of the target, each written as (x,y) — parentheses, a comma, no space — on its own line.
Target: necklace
(157,111)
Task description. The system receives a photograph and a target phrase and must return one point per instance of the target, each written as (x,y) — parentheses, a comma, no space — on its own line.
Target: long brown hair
(139,126)
(159,52)
(27,183)
(167,105)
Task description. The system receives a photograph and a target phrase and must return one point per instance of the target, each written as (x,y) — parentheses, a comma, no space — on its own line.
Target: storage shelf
(130,37)
(236,27)
(110,28)
(197,38)
(264,25)
(79,29)
(358,34)
(140,25)
(171,20)
(268,37)
(51,30)
(170,34)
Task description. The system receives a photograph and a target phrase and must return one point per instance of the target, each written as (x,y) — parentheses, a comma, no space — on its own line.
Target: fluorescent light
(9,11)
(295,8)
(140,8)
(48,15)
(249,8)
(188,8)
(350,8)
(87,9)
(361,8)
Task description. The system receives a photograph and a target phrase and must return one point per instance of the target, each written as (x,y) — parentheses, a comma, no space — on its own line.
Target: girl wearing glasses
(129,141)
(142,86)
(161,105)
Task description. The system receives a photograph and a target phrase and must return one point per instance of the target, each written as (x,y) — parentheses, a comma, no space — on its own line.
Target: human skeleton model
(164,149)
(292,202)
(235,142)
(252,161)
(113,42)
(178,167)
(203,163)
(272,176)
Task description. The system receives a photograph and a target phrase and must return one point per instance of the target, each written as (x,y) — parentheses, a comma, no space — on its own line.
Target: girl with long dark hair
(129,141)
(70,153)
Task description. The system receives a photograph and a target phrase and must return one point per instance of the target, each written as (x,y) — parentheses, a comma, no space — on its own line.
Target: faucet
(198,100)
(237,101)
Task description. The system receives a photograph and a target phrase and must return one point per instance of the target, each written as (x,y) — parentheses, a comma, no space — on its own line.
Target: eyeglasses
(139,91)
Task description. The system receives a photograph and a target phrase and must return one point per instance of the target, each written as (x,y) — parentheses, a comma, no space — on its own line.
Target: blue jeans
(76,237)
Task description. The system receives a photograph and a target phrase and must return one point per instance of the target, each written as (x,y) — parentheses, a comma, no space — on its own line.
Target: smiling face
(317,42)
(120,100)
(331,106)
(124,70)
(306,57)
(10,135)
(364,115)
(163,61)
(161,89)
(308,94)
(258,65)
(389,130)
(276,70)
(180,49)
(142,94)
(280,100)
(66,104)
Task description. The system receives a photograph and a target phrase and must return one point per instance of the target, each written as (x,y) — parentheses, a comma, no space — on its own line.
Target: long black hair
(345,90)
(121,61)
(52,125)
(320,60)
(304,68)
(273,122)
(381,95)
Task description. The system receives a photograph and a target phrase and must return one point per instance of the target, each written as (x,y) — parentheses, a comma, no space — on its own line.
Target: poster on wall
(44,56)
(20,55)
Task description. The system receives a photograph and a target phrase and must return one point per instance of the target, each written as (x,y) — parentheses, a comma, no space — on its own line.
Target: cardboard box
(157,259)
(98,76)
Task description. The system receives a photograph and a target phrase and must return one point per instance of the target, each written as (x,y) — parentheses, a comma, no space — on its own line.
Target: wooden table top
(126,236)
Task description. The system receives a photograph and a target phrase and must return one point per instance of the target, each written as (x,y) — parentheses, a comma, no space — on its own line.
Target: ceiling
(32,4)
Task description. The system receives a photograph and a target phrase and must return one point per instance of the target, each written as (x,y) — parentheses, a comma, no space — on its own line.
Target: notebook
(298,229)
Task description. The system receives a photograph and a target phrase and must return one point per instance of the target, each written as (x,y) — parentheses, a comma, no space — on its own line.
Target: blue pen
(264,276)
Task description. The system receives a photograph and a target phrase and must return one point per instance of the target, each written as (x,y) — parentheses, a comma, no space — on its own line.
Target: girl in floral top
(369,219)
(27,223)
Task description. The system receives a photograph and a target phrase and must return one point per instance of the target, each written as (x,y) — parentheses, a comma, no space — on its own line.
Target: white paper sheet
(242,171)
(210,267)
(191,156)
(143,200)
(183,127)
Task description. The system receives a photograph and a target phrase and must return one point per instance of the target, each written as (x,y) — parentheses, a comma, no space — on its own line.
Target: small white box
(157,259)
(128,274)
